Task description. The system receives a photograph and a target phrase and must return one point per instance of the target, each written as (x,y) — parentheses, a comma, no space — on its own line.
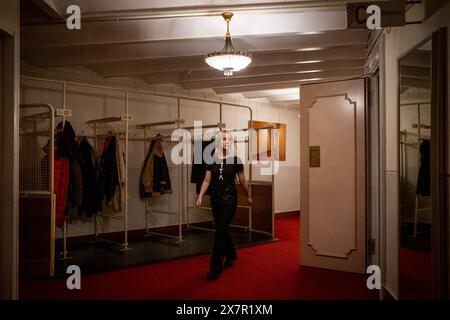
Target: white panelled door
(332,176)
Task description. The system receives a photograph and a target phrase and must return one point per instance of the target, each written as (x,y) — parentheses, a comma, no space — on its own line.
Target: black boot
(212,275)
(229,262)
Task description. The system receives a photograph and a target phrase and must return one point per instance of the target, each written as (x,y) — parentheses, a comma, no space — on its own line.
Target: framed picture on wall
(270,140)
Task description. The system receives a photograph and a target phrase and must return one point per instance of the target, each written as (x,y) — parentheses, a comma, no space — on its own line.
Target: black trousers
(223,211)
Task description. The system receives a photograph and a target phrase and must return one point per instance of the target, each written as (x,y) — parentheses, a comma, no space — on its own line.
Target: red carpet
(268,271)
(415,274)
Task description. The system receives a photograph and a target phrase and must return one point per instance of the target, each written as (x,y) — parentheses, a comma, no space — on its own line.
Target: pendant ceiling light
(228,59)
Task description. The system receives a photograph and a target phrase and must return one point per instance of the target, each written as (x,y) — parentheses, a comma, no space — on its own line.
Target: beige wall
(88,103)
(9,82)
(397,42)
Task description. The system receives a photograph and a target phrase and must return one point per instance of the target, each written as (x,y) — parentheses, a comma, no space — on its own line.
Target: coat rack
(149,211)
(124,136)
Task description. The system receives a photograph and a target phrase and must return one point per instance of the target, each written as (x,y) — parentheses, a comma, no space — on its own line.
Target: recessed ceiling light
(312,79)
(311,32)
(310,71)
(309,49)
(309,61)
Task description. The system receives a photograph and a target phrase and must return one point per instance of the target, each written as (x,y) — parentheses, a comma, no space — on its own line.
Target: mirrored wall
(415,179)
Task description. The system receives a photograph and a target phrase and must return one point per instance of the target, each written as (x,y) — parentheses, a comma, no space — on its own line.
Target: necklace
(221,170)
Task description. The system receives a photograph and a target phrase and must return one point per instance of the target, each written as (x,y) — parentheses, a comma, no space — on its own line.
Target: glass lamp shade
(228,59)
(228,62)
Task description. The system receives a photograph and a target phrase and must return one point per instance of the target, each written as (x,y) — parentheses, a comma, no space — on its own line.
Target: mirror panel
(415,181)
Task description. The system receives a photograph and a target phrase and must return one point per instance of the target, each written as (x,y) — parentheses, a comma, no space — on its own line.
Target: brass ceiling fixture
(228,59)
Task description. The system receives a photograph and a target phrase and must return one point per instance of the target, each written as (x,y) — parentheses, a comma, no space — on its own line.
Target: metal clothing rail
(149,93)
(147,210)
(142,91)
(30,189)
(159,124)
(179,98)
(62,113)
(124,246)
(51,171)
(208,126)
(187,206)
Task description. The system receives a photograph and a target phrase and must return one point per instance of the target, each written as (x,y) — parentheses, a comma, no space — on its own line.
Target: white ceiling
(97,6)
(164,42)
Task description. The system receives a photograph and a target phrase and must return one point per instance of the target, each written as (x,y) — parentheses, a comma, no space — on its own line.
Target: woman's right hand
(198,203)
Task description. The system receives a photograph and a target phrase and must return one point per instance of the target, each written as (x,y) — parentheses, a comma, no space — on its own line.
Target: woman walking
(221,175)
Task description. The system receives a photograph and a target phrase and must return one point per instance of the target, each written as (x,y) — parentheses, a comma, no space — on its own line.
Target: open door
(332,175)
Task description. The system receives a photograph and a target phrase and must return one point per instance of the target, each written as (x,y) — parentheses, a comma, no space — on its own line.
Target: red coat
(61,180)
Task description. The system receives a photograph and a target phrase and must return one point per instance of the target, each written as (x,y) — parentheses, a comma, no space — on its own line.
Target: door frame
(9,170)
(373,178)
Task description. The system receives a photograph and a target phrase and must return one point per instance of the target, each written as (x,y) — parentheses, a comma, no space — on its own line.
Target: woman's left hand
(250,201)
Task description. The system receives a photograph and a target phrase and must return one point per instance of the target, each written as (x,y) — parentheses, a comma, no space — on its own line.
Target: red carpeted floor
(415,274)
(268,271)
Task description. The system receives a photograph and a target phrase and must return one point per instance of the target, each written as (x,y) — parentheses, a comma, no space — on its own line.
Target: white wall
(88,103)
(397,42)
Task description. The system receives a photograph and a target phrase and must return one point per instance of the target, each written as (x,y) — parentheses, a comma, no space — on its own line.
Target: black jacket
(199,169)
(91,193)
(424,176)
(108,178)
(155,178)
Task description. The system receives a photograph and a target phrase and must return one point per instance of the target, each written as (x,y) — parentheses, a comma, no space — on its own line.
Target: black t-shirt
(223,172)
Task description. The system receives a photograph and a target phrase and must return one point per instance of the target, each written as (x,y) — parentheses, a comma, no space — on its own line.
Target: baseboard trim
(387,294)
(73,242)
(285,214)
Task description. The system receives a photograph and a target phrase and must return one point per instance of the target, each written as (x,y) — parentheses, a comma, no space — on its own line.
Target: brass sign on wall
(314,156)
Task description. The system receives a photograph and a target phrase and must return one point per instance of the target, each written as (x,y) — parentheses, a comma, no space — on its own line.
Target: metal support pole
(220,113)
(250,171)
(126,174)
(187,195)
(273,183)
(65,239)
(180,214)
(145,200)
(63,104)
(419,136)
(95,150)
(51,176)
(63,126)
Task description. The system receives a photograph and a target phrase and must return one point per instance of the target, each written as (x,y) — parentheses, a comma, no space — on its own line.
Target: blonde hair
(219,138)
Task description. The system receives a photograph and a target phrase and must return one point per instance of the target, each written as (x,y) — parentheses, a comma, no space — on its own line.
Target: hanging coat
(424,176)
(155,179)
(61,174)
(107,172)
(119,196)
(91,194)
(67,148)
(199,169)
(61,185)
